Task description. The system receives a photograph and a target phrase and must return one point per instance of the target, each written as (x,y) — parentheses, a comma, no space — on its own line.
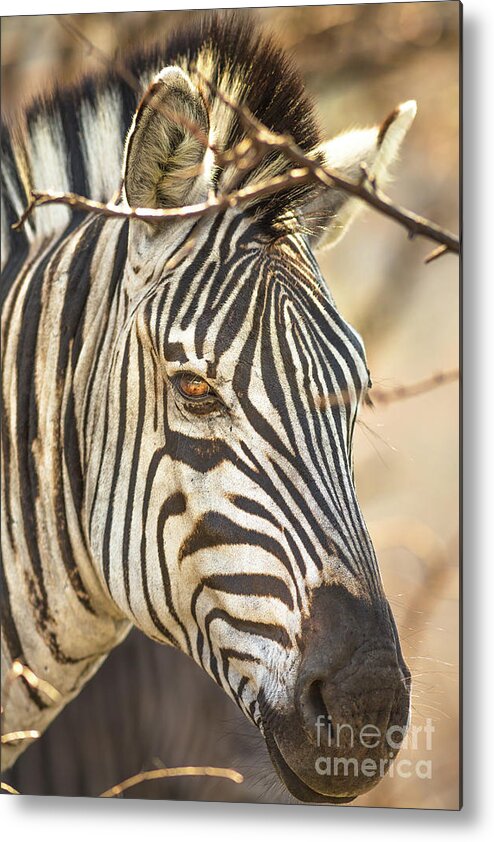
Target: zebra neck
(57,617)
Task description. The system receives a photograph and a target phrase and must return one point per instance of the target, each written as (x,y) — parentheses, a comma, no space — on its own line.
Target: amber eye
(193,387)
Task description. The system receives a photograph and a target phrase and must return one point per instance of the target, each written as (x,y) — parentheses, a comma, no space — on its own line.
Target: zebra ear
(328,214)
(166,145)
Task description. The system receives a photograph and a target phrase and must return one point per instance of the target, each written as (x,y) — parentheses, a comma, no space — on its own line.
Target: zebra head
(223,511)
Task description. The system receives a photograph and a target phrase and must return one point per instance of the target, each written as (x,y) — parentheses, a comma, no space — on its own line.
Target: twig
(180,771)
(309,171)
(214,204)
(383,397)
(16,736)
(435,254)
(18,670)
(8,788)
(412,390)
(415,225)
(247,154)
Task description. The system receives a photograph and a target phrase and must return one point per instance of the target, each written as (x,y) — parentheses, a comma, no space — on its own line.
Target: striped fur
(209,525)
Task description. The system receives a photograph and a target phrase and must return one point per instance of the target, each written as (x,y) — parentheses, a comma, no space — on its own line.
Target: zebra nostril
(313,709)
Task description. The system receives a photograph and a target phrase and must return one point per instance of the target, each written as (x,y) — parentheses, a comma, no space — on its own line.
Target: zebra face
(234,531)
(242,542)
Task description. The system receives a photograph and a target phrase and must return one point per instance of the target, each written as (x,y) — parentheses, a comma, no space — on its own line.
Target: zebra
(179,402)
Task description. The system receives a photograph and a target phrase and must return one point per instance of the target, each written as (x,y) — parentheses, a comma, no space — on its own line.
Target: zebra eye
(200,397)
(193,387)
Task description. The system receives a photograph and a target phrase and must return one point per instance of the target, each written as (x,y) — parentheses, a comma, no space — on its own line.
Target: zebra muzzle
(348,716)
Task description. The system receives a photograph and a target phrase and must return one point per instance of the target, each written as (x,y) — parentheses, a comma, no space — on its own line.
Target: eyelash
(368,399)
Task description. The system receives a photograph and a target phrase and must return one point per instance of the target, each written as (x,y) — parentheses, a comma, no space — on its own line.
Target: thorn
(436,253)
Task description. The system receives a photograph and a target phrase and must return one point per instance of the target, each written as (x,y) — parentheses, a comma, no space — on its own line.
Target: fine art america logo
(417,738)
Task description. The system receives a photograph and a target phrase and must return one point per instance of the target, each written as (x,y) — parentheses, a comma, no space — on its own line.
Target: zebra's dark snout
(351,662)
(350,704)
(327,707)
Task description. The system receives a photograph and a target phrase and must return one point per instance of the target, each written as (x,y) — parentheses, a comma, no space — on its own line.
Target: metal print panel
(230,342)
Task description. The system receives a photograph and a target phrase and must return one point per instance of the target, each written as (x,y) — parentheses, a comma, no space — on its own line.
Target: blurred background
(359,61)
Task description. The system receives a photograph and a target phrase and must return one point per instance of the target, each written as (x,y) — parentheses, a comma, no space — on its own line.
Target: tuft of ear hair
(330,212)
(166,145)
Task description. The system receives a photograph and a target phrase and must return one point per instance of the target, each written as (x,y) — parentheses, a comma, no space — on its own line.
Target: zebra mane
(72,139)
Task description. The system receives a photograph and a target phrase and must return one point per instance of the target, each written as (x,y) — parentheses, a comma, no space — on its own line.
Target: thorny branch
(365,189)
(307,172)
(155,215)
(259,142)
(383,397)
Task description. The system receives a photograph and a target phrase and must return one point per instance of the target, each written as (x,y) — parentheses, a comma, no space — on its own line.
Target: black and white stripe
(122,503)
